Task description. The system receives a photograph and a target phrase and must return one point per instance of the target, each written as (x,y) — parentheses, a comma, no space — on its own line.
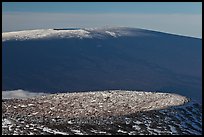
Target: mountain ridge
(133,60)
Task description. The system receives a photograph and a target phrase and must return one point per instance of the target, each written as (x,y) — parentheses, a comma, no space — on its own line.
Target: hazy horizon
(182,18)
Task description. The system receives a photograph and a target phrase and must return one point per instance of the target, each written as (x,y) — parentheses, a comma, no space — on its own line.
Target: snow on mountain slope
(67,33)
(67,60)
(44,34)
(99,103)
(106,112)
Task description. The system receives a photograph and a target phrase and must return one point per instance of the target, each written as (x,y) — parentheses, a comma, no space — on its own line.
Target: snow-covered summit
(43,34)
(71,33)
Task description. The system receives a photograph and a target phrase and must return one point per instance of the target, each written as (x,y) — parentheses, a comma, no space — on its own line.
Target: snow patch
(46,129)
(77,132)
(6,123)
(111,33)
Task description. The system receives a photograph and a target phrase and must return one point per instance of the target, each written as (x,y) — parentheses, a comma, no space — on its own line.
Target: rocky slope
(107,112)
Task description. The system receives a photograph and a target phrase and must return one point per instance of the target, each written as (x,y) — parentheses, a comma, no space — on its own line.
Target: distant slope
(101,59)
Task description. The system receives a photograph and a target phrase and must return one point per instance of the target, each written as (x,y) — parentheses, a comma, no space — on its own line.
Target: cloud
(20,94)
(183,24)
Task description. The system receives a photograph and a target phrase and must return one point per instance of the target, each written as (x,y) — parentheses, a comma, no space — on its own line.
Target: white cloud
(20,94)
(184,24)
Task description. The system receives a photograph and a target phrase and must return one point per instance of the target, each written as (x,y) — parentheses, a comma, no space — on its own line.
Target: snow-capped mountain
(83,59)
(98,59)
(69,33)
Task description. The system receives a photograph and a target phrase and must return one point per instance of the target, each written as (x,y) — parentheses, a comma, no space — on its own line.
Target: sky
(182,18)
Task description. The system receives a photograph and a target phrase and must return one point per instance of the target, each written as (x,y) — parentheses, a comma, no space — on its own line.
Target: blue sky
(183,18)
(104,7)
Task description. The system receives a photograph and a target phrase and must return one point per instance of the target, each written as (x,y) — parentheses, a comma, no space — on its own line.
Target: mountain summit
(84,59)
